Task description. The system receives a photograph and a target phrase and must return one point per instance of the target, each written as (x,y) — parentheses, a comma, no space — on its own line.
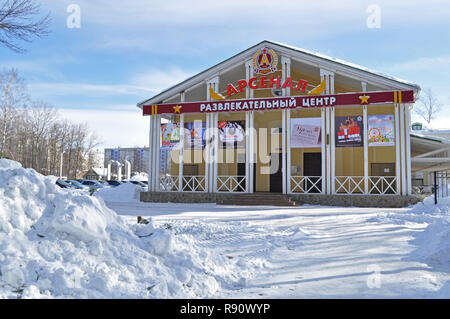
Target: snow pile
(125,192)
(139,177)
(433,244)
(59,244)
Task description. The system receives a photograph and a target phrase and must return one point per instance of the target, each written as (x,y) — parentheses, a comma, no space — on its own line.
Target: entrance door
(276,175)
(312,166)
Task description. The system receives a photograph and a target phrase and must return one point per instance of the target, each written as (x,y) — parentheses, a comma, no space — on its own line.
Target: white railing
(306,184)
(382,184)
(231,184)
(349,184)
(169,183)
(194,184)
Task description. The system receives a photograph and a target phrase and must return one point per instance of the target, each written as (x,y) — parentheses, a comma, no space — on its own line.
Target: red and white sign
(266,83)
(262,104)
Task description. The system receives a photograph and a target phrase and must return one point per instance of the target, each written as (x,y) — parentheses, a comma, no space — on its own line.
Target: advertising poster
(170,135)
(195,135)
(306,132)
(232,134)
(381,130)
(349,131)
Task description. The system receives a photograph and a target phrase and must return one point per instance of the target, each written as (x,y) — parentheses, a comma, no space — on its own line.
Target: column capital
(285,59)
(324,72)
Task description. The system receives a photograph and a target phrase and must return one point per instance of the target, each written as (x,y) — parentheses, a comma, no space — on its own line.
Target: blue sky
(127,51)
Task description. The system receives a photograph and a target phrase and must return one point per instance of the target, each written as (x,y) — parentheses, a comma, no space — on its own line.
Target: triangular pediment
(304,68)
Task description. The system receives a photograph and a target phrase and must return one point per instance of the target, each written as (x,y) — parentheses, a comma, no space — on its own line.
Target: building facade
(280,119)
(138,157)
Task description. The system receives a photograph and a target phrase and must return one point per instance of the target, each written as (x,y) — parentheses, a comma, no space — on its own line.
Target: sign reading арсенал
(262,104)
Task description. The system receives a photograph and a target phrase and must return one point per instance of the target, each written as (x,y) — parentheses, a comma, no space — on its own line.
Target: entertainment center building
(280,119)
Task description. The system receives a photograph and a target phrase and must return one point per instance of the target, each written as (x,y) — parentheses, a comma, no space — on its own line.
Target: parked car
(77,184)
(104,183)
(114,183)
(137,183)
(63,184)
(92,184)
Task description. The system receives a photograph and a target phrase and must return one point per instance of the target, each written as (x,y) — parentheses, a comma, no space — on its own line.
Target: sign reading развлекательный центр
(221,310)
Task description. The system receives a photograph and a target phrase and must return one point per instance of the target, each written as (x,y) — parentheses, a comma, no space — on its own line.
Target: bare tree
(19,21)
(34,134)
(12,96)
(428,106)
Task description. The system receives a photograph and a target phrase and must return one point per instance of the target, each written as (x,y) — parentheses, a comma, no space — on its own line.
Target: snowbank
(139,177)
(433,244)
(126,192)
(60,244)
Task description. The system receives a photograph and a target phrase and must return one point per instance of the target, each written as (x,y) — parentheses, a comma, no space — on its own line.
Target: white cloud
(422,64)
(113,127)
(143,85)
(159,80)
(87,89)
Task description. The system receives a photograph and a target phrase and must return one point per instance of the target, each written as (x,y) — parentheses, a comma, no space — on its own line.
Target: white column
(397,148)
(150,155)
(402,148)
(180,168)
(329,78)
(408,150)
(215,151)
(324,145)
(363,87)
(210,169)
(328,150)
(329,121)
(285,73)
(207,154)
(158,150)
(252,159)
(247,155)
(153,152)
(248,75)
(366,151)
(333,148)
(283,150)
(155,148)
(288,150)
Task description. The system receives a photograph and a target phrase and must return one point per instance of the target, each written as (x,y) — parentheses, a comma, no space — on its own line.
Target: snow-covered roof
(327,62)
(99,171)
(441,136)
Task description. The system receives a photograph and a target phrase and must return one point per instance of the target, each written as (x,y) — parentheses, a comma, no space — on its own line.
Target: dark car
(63,184)
(138,183)
(93,184)
(114,183)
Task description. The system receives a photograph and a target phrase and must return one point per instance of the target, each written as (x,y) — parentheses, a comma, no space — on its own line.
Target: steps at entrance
(262,199)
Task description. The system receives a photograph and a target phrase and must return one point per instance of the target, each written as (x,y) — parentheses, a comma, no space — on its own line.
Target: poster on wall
(349,130)
(170,135)
(381,130)
(232,134)
(195,135)
(306,132)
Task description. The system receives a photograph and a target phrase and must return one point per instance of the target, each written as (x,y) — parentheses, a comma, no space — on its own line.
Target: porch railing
(349,184)
(382,184)
(231,184)
(306,184)
(169,183)
(194,184)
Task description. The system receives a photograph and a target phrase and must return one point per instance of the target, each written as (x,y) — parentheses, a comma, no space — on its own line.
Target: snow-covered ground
(309,251)
(57,243)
